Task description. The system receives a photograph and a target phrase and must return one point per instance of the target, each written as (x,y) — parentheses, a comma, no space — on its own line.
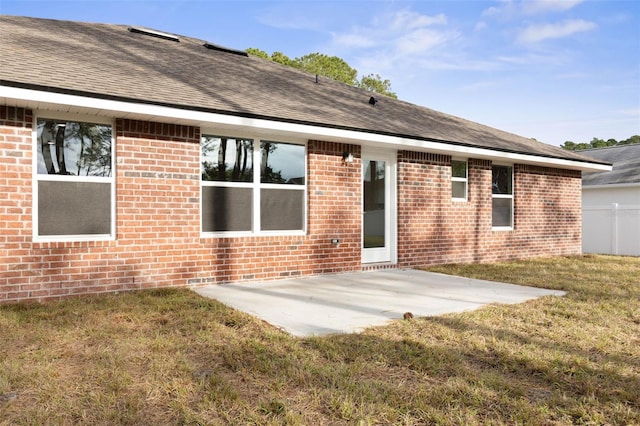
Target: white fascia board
(611,185)
(72,103)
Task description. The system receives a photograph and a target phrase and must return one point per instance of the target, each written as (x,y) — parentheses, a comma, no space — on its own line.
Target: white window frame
(256,185)
(504,196)
(459,179)
(46,115)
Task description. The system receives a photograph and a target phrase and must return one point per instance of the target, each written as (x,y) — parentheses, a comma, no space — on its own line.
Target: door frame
(389,253)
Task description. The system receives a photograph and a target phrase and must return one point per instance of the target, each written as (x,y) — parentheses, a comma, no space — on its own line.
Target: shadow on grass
(172,357)
(512,383)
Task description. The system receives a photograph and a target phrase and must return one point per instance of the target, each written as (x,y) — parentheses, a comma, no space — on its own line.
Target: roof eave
(51,100)
(611,185)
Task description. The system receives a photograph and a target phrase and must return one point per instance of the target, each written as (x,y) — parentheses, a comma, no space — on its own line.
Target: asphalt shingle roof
(626,165)
(109,61)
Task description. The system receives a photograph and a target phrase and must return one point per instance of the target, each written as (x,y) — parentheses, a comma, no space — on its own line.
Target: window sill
(73,238)
(502,228)
(232,234)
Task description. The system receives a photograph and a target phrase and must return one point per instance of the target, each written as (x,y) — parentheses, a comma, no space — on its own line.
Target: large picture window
(502,197)
(252,186)
(73,180)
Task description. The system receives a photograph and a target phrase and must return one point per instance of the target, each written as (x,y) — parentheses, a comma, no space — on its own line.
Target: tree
(278,57)
(632,139)
(329,66)
(257,52)
(375,83)
(598,143)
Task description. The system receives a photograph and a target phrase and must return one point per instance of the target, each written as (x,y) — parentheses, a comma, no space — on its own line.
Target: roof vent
(373,101)
(225,49)
(154,33)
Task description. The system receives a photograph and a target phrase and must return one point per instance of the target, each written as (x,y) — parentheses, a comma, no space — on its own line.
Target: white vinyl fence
(611,229)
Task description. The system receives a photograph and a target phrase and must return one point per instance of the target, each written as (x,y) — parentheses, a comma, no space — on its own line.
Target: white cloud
(510,8)
(478,86)
(539,32)
(527,59)
(534,7)
(572,76)
(506,9)
(353,40)
(408,20)
(631,112)
(404,36)
(421,40)
(293,20)
(481,25)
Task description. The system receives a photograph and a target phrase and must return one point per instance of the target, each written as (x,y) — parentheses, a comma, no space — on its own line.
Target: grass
(171,357)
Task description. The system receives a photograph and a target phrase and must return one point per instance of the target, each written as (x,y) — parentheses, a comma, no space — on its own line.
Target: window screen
(74,208)
(226,209)
(281,209)
(501,212)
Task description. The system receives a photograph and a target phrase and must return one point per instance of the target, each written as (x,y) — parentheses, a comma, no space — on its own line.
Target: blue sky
(554,70)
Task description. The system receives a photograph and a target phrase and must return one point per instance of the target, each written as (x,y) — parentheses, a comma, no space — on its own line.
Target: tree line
(331,67)
(599,143)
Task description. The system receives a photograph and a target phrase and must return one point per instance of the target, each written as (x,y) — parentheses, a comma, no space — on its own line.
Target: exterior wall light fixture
(347,157)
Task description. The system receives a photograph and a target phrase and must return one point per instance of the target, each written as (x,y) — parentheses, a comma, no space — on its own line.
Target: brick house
(132,158)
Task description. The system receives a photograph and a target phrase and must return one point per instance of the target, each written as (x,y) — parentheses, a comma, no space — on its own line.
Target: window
(74,184)
(252,186)
(502,198)
(459,180)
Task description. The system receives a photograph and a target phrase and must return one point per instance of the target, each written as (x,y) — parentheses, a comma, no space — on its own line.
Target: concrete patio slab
(351,302)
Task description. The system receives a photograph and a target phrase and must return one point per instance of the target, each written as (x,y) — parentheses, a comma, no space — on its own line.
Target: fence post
(614,228)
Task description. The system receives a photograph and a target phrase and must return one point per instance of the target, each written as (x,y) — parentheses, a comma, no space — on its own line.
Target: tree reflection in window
(501,180)
(227,159)
(282,163)
(74,148)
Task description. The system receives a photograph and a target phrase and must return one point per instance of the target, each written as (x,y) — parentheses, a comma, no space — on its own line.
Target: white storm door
(378,207)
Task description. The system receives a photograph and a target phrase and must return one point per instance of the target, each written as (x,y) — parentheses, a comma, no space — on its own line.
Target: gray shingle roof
(111,62)
(626,165)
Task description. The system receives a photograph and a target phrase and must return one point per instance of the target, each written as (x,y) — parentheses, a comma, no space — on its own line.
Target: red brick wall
(15,201)
(434,229)
(158,241)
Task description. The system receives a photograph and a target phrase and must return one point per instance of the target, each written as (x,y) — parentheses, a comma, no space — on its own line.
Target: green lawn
(172,357)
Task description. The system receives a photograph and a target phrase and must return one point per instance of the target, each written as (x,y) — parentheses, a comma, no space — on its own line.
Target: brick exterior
(158,241)
(433,229)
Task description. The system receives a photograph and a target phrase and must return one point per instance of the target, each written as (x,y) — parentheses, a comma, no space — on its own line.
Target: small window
(459,180)
(74,180)
(502,197)
(240,196)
